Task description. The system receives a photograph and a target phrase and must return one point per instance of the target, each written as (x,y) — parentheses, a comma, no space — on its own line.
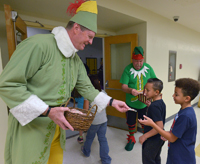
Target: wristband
(47,112)
(111,101)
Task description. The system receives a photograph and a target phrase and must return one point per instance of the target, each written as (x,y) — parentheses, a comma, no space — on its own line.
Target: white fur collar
(63,42)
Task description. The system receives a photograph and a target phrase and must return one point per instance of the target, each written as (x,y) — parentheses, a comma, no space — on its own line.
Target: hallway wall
(3,122)
(163,35)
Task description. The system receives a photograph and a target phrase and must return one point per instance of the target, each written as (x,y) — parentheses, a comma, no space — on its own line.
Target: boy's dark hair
(157,84)
(190,87)
(95,81)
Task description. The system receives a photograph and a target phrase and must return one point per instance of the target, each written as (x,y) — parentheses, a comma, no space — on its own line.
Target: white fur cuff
(30,109)
(101,100)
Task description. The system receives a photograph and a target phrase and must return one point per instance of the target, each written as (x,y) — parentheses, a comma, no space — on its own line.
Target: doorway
(92,64)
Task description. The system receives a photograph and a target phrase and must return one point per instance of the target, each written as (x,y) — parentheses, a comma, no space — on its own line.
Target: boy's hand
(146,121)
(163,138)
(148,103)
(142,139)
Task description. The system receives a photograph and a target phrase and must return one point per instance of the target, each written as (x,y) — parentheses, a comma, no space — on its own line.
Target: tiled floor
(117,141)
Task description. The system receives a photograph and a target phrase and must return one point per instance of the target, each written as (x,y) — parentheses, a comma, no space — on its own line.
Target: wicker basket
(77,121)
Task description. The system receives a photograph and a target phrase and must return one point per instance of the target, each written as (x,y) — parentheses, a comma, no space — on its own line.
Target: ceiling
(187,10)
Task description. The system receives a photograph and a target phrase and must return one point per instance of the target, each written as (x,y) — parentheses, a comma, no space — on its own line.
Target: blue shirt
(80,102)
(185,128)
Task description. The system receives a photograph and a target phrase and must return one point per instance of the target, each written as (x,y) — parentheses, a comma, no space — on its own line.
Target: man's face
(137,64)
(83,38)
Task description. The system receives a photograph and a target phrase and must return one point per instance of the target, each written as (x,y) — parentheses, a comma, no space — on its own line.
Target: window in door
(120,58)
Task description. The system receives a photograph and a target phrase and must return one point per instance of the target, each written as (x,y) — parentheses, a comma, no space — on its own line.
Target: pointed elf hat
(138,53)
(84,13)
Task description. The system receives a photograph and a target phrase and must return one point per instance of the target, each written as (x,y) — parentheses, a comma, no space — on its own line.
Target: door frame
(20,26)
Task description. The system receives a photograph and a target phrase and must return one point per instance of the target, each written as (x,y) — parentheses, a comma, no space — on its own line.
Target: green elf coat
(42,72)
(136,79)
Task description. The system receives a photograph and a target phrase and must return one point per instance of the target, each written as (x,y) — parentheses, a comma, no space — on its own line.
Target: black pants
(131,115)
(151,150)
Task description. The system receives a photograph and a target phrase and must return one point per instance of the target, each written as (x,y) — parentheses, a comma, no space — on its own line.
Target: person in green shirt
(40,76)
(133,80)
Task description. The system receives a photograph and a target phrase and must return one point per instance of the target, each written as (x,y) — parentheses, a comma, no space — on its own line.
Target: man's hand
(120,105)
(142,139)
(134,92)
(57,115)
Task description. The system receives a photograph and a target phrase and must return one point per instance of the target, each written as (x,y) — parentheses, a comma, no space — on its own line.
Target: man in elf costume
(40,76)
(133,80)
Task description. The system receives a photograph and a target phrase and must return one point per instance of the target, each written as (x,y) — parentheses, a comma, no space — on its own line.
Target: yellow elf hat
(85,13)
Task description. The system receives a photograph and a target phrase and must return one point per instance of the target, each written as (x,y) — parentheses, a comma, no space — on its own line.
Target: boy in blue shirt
(182,135)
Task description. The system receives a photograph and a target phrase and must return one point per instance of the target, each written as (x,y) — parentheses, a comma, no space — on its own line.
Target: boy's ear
(157,92)
(187,98)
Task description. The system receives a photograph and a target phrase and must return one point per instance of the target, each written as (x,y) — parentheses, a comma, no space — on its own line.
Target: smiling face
(137,64)
(149,91)
(82,37)
(178,96)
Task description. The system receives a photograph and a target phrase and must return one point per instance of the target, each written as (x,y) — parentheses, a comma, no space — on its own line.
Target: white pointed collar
(63,42)
(142,71)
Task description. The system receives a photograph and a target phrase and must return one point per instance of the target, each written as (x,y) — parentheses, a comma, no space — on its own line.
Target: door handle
(106,84)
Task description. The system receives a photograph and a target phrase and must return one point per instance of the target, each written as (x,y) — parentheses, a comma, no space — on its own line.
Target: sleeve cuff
(30,109)
(101,100)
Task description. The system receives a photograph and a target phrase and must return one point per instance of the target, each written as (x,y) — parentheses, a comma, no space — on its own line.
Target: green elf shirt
(42,72)
(136,79)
